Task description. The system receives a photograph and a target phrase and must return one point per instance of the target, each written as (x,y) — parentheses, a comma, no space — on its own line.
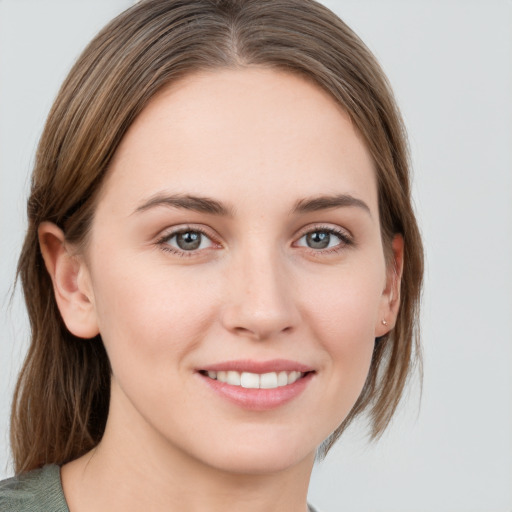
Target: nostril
(262,332)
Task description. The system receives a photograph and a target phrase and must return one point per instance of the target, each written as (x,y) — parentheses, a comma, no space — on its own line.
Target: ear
(390,300)
(71,282)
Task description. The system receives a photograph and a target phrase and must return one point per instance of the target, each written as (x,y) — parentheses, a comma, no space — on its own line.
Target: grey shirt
(38,491)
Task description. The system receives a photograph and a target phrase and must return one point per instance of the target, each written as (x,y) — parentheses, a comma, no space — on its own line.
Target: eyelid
(325,226)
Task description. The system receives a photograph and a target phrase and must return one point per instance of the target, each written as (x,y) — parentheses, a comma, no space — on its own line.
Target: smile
(258,385)
(251,380)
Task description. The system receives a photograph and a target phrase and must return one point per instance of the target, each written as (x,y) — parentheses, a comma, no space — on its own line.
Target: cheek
(345,304)
(149,316)
(343,314)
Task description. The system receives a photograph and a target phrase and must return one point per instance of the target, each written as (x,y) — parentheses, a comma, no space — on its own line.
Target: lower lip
(258,399)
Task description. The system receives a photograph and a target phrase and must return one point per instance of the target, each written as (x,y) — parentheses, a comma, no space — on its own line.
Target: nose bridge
(261,301)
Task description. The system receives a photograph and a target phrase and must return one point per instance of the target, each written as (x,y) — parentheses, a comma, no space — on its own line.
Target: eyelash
(346,240)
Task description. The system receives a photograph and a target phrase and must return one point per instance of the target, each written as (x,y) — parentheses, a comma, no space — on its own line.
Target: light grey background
(450,63)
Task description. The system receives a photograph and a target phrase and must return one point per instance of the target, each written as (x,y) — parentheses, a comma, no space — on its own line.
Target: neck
(132,471)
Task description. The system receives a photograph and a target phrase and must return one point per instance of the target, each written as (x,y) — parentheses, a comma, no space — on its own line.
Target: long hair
(61,400)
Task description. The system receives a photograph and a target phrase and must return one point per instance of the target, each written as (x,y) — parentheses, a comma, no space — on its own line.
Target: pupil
(318,239)
(189,240)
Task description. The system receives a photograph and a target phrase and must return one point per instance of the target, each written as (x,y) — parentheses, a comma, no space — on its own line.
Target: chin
(261,454)
(264,462)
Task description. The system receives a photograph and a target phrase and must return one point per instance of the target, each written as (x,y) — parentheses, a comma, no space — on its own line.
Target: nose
(261,300)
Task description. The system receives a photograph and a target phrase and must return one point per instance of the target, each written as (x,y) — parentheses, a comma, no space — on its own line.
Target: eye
(186,241)
(324,238)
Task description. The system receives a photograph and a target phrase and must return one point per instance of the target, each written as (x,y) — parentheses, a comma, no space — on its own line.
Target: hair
(61,400)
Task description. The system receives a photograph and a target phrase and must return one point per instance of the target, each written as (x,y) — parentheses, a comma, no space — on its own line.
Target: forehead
(249,134)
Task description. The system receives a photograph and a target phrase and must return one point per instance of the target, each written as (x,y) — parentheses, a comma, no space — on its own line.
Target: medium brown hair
(61,400)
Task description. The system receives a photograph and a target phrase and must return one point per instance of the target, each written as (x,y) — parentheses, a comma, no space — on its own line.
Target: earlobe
(390,302)
(71,282)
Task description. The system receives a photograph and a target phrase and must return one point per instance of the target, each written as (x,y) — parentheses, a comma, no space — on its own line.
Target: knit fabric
(36,491)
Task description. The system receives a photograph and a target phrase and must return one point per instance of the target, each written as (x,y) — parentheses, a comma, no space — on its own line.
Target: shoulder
(34,491)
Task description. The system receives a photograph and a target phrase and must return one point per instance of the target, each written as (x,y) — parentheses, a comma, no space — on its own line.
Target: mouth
(249,380)
(258,386)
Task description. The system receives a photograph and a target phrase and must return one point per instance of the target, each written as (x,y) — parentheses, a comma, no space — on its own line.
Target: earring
(384,322)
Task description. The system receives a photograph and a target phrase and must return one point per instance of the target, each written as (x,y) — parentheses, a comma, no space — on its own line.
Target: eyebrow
(213,207)
(187,202)
(327,202)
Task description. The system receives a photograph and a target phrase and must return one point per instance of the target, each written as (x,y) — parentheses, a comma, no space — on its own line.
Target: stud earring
(384,322)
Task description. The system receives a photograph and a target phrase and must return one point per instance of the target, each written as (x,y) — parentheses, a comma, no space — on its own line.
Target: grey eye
(323,238)
(189,240)
(318,239)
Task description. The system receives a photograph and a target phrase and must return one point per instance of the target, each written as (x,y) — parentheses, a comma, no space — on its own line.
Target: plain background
(450,64)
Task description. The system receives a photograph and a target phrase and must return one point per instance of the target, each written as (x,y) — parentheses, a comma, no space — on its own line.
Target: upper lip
(247,365)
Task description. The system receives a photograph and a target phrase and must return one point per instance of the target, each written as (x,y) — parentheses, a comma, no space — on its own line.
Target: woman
(222,266)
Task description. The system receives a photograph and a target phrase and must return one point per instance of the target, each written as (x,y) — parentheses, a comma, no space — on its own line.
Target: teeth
(250,380)
(268,381)
(293,376)
(282,379)
(233,378)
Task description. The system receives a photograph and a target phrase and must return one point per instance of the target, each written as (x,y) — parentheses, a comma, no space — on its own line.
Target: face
(235,271)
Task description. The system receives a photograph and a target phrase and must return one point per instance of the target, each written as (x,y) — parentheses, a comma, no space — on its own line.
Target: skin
(259,142)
